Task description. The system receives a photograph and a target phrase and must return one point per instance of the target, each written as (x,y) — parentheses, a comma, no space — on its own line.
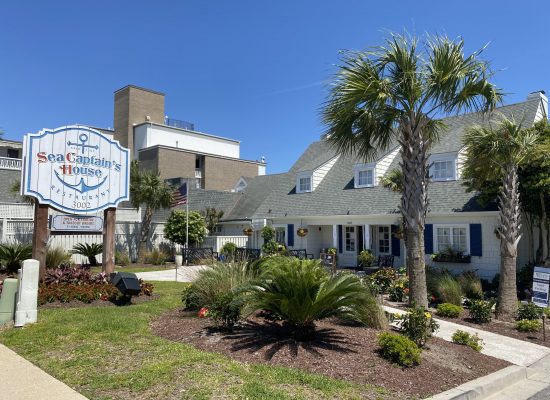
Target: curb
(485,386)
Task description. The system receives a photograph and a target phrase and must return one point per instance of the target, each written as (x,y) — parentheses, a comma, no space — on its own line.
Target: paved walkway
(184,274)
(515,351)
(21,380)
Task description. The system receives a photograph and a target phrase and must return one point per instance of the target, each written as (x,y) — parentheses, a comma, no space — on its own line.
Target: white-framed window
(303,183)
(384,240)
(280,235)
(454,237)
(364,175)
(443,168)
(350,239)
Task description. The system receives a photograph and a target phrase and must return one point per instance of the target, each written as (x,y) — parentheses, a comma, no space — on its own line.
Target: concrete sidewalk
(184,274)
(518,352)
(22,380)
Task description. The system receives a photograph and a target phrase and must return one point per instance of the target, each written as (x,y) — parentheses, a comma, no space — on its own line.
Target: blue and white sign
(75,169)
(541,286)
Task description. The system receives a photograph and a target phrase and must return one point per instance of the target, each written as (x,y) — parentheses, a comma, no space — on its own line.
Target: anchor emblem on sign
(83,138)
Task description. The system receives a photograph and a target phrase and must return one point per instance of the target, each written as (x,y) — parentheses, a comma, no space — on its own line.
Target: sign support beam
(108,256)
(40,236)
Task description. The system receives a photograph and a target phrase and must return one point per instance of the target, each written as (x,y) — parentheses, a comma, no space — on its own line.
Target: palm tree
(397,92)
(497,154)
(147,187)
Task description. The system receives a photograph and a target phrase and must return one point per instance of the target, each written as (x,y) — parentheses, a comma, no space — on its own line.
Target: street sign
(541,286)
(75,169)
(73,223)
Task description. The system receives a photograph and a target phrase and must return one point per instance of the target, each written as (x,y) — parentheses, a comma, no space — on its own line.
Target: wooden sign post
(40,236)
(108,256)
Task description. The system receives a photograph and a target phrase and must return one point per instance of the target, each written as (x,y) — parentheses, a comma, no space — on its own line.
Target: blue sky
(249,70)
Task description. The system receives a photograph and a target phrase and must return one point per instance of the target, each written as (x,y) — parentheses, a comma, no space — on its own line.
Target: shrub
(89,250)
(122,258)
(226,309)
(57,257)
(300,292)
(418,325)
(68,275)
(399,349)
(219,288)
(399,289)
(529,311)
(449,310)
(481,311)
(228,250)
(190,298)
(464,338)
(528,325)
(384,278)
(13,254)
(365,258)
(155,257)
(448,290)
(65,293)
(470,284)
(546,312)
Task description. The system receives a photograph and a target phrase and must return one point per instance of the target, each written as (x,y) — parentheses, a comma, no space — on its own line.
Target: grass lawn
(110,353)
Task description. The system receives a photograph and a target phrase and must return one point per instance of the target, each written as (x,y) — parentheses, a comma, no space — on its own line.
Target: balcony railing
(10,163)
(177,123)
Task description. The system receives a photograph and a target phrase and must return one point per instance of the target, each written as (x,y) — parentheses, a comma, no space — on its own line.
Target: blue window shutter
(290,230)
(339,238)
(429,239)
(395,242)
(359,239)
(476,248)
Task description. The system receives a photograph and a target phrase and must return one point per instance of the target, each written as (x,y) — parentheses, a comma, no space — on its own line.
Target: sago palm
(147,188)
(398,92)
(89,250)
(497,153)
(301,292)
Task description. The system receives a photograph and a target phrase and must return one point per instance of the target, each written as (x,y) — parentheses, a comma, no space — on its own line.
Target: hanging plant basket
(399,232)
(248,231)
(302,232)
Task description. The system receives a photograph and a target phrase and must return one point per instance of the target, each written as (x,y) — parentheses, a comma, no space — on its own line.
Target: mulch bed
(495,326)
(96,303)
(341,351)
(503,328)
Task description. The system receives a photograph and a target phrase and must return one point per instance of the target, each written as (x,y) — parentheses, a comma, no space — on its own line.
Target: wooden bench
(300,254)
(193,255)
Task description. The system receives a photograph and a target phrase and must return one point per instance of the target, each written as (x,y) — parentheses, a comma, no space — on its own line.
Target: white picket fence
(17,227)
(217,242)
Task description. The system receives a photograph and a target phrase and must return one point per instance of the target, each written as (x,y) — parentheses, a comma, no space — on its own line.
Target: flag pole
(187,220)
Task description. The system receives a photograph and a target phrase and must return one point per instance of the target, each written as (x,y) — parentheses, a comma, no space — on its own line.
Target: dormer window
(303,184)
(443,170)
(364,175)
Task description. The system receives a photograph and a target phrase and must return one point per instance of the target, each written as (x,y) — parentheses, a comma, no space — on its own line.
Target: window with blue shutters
(290,230)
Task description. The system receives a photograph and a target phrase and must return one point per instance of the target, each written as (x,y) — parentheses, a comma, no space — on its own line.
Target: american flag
(180,196)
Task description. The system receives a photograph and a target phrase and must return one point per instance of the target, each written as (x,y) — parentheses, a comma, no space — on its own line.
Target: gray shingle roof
(451,139)
(199,199)
(273,196)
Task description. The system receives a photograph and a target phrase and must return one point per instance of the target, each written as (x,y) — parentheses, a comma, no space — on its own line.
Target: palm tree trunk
(144,234)
(509,233)
(414,204)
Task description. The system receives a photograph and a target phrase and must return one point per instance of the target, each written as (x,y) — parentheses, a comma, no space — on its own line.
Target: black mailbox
(126,282)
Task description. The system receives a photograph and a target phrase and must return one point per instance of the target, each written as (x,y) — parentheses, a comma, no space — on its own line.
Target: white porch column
(366,237)
(335,236)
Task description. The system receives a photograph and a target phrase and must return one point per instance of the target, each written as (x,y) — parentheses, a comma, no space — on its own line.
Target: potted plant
(302,232)
(452,256)
(365,259)
(248,231)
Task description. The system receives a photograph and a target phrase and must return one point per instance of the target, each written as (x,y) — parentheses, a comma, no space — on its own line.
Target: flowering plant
(203,312)
(418,325)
